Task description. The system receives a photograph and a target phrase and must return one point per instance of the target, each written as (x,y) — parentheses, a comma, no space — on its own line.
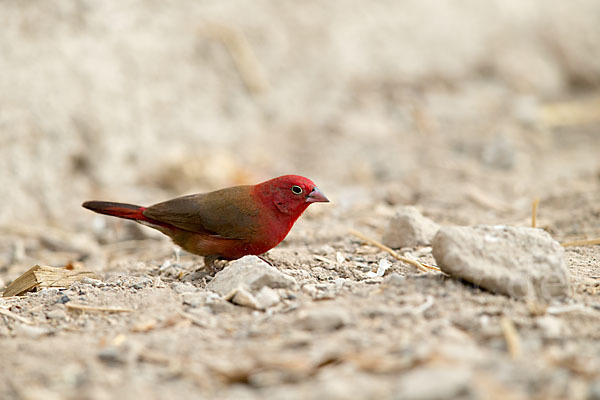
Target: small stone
(112,355)
(250,273)
(323,319)
(515,261)
(142,283)
(449,382)
(242,297)
(218,305)
(409,228)
(266,298)
(93,282)
(57,313)
(183,287)
(394,279)
(550,325)
(63,299)
(193,299)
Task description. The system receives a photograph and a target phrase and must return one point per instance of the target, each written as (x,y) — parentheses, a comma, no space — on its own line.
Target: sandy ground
(469,112)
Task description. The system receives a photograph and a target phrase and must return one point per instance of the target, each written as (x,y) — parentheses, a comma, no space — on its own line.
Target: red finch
(228,223)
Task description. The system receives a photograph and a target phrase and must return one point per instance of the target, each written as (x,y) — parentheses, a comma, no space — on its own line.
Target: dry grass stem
(415,263)
(583,242)
(534,207)
(10,314)
(513,343)
(81,307)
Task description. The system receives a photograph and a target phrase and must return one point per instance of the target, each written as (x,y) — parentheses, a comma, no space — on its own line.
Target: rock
(250,273)
(439,382)
(242,297)
(266,298)
(408,228)
(515,261)
(323,319)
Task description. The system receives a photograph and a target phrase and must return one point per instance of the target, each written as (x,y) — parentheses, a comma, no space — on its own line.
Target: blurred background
(468,109)
(402,101)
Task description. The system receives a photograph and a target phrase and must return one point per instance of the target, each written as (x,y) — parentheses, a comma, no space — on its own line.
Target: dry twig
(10,314)
(583,242)
(415,263)
(534,207)
(81,307)
(511,336)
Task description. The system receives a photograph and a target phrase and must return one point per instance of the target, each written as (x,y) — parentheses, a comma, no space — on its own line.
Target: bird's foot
(214,264)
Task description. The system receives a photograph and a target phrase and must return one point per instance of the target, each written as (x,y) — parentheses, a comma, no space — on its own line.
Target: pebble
(323,319)
(93,282)
(242,297)
(57,313)
(266,298)
(434,382)
(409,228)
(250,273)
(183,287)
(112,355)
(514,261)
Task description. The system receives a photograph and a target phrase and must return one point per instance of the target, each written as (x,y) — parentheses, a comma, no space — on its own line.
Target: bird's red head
(290,194)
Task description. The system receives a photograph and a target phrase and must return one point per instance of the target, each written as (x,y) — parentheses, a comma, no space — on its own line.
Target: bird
(225,224)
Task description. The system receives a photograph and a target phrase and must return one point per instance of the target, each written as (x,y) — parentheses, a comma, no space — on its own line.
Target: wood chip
(41,276)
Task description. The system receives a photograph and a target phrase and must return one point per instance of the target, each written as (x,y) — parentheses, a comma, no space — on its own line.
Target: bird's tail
(121,210)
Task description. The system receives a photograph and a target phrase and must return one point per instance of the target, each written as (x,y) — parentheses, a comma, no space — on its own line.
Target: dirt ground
(469,111)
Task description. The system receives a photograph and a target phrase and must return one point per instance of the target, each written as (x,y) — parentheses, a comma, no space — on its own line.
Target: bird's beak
(316,196)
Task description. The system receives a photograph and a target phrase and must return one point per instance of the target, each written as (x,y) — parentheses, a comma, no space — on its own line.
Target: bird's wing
(228,213)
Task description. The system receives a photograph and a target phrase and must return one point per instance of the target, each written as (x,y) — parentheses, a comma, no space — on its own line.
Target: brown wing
(229,213)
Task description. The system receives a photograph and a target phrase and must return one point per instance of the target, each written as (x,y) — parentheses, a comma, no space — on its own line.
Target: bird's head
(291,194)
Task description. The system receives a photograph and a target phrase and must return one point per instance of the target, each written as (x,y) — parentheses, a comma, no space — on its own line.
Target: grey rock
(514,261)
(434,382)
(250,273)
(409,228)
(323,319)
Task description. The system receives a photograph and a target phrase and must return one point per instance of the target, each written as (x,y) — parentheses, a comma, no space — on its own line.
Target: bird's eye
(296,189)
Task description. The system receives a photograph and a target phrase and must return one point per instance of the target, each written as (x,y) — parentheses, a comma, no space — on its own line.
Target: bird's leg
(176,253)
